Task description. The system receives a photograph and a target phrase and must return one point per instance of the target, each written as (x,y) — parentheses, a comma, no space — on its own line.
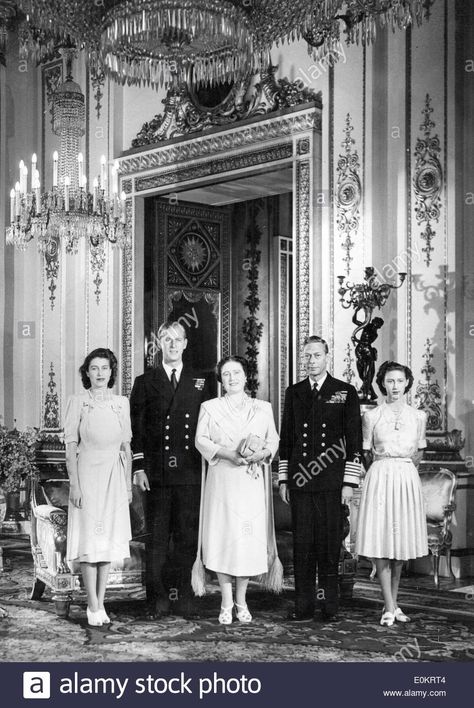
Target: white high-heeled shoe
(243,614)
(225,615)
(94,619)
(387,619)
(104,616)
(400,616)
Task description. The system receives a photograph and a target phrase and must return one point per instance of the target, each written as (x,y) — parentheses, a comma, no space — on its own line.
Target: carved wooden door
(187,278)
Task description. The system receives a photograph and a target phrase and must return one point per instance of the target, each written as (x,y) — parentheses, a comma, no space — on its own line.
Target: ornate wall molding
(215,167)
(348,193)
(348,372)
(51,403)
(302,248)
(128,265)
(427,180)
(239,137)
(185,114)
(251,328)
(428,392)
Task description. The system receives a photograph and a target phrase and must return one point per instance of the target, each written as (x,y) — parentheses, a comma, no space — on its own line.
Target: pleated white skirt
(392,520)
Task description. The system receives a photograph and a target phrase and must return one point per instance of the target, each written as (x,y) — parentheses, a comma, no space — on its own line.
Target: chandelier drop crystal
(150,42)
(68,212)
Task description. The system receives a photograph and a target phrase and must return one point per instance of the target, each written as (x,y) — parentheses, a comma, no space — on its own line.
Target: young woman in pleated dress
(392,522)
(97,434)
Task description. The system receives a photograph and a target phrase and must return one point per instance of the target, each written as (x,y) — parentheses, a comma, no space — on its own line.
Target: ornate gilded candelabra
(364,298)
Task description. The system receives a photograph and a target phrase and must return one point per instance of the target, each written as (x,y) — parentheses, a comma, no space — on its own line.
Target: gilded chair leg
(37,590)
(436,570)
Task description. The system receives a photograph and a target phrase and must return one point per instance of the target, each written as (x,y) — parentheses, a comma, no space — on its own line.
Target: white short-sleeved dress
(235,534)
(100,530)
(392,521)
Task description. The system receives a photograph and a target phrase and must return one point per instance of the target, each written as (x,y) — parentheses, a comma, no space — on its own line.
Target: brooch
(199,384)
(338,397)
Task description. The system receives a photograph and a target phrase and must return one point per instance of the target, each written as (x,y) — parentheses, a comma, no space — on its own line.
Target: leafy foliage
(17,457)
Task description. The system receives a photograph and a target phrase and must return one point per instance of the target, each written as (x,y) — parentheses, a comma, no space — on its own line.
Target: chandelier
(150,42)
(68,212)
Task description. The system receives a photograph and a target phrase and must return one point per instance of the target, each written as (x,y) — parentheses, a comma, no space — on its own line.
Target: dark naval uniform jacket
(164,424)
(321,437)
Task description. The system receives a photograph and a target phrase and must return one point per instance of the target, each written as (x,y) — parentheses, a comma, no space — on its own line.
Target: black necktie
(174,380)
(315,390)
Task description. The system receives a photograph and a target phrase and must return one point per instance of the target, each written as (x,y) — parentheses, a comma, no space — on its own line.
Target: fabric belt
(377,458)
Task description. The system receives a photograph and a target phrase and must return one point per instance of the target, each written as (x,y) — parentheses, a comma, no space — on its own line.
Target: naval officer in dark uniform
(320,448)
(164,408)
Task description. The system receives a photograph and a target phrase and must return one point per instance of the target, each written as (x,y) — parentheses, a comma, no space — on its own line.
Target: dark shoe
(158,610)
(299,617)
(328,617)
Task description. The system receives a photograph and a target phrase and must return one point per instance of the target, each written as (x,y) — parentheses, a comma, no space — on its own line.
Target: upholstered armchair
(49,504)
(439,488)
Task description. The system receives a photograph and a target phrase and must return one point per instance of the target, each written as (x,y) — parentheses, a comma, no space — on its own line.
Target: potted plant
(17,461)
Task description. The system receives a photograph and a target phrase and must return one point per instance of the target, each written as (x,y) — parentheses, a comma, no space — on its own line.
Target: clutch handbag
(252,443)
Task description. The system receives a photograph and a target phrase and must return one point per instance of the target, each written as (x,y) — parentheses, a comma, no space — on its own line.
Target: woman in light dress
(237,527)
(392,521)
(98,458)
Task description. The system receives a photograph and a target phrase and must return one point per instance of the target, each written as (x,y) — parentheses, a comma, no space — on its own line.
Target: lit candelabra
(364,298)
(68,212)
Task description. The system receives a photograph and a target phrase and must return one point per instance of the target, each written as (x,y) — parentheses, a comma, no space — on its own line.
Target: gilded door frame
(290,137)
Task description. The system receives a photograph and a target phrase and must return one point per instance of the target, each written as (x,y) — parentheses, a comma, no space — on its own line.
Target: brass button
(323,435)
(186,447)
(186,425)
(305,435)
(167,447)
(186,437)
(305,425)
(324,425)
(167,427)
(186,415)
(304,454)
(167,437)
(323,444)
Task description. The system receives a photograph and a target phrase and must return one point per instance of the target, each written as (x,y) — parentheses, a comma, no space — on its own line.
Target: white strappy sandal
(225,615)
(243,614)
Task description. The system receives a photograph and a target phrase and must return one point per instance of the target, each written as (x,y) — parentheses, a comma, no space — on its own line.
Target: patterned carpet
(441,628)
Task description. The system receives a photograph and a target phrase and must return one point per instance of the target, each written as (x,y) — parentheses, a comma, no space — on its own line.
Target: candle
(95,195)
(103,162)
(36,186)
(67,182)
(17,199)
(12,206)
(116,205)
(22,164)
(80,161)
(55,168)
(24,180)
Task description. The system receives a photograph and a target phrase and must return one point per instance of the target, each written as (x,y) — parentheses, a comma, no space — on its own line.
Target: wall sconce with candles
(364,298)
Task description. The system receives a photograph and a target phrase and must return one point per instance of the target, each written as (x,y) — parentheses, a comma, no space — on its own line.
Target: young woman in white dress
(392,521)
(237,528)
(97,434)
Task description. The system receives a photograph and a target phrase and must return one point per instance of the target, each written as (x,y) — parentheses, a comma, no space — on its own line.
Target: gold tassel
(198,578)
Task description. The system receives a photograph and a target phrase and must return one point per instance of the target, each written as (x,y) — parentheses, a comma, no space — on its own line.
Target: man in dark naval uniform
(164,407)
(320,452)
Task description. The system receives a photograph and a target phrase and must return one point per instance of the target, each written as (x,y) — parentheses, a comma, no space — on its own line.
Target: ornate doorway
(187,278)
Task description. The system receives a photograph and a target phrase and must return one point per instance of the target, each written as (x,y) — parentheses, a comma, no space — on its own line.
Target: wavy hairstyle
(100,353)
(393,366)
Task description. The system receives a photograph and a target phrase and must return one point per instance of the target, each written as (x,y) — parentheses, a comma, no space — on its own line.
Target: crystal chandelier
(68,212)
(150,42)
